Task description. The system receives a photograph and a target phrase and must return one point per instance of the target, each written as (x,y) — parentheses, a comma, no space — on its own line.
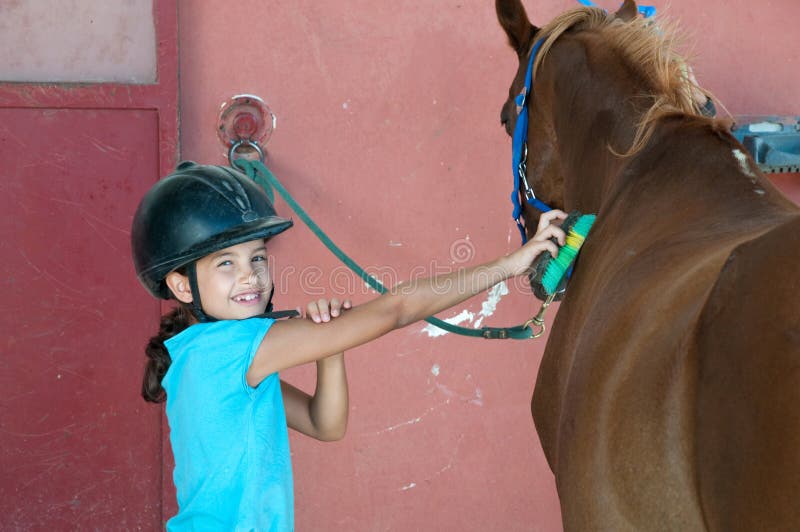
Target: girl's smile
(248,298)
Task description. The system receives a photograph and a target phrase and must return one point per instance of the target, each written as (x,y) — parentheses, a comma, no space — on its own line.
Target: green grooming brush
(549,276)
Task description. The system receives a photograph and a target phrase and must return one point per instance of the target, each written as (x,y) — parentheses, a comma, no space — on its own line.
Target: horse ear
(514,20)
(627,12)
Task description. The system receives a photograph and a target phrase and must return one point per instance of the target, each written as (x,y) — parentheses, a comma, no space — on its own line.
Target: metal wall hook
(247,121)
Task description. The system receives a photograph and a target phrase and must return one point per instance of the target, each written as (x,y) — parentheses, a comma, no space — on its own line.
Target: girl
(199,237)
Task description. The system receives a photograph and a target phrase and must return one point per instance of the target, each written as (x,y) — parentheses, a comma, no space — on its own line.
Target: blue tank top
(231,445)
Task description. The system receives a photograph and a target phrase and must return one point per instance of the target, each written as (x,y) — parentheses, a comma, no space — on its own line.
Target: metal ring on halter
(245,142)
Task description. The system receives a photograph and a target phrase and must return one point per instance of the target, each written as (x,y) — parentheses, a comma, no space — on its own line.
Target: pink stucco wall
(388,134)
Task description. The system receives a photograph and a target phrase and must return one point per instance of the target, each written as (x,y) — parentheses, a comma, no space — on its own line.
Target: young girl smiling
(199,236)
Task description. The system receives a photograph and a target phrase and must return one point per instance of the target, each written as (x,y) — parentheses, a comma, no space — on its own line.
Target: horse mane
(649,49)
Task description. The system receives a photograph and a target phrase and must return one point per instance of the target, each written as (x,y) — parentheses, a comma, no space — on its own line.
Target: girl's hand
(521,259)
(322,310)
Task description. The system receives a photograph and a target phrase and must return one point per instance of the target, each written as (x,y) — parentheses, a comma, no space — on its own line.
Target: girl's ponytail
(158,358)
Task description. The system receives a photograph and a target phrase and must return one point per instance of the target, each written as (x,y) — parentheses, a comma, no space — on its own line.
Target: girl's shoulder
(225,331)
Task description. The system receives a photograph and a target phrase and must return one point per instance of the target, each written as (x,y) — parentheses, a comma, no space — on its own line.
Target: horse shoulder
(747,347)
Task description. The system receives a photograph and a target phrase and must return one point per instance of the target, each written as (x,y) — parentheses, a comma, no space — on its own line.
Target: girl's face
(235,282)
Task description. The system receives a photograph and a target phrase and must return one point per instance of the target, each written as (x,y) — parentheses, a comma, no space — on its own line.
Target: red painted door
(79,448)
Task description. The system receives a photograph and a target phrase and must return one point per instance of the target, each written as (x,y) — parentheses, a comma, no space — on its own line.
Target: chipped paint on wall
(488,308)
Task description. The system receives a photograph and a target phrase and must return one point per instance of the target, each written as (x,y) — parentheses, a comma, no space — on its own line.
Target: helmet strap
(269,300)
(197,304)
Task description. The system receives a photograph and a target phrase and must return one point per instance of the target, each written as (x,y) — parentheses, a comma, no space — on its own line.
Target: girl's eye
(259,258)
(224,263)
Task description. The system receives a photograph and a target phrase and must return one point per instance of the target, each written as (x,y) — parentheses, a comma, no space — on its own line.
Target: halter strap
(519,154)
(646,11)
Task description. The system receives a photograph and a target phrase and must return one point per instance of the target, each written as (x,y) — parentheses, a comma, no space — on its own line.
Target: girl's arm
(293,342)
(324,415)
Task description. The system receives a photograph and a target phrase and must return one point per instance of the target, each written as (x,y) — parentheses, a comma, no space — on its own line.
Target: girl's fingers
(318,310)
(551,247)
(548,217)
(336,306)
(312,312)
(324,309)
(540,247)
(551,231)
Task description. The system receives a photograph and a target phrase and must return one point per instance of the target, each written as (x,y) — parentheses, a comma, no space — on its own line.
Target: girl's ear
(180,287)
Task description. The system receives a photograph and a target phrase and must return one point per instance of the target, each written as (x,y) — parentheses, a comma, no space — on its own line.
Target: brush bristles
(558,267)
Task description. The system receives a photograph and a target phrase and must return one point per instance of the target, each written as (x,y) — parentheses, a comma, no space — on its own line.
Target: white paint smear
(434,331)
(490,305)
(488,308)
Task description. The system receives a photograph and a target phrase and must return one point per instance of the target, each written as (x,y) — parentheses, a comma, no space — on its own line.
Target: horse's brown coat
(668,397)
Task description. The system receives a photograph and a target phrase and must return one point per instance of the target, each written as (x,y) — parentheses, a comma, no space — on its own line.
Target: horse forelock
(648,48)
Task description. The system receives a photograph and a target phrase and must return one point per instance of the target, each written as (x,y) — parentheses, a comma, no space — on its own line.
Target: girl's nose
(258,277)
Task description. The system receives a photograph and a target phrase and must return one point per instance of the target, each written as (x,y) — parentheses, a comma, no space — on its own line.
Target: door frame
(160,96)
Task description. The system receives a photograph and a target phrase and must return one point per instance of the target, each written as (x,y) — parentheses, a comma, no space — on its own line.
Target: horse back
(747,349)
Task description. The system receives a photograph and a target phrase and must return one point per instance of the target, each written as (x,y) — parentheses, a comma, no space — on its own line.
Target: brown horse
(668,397)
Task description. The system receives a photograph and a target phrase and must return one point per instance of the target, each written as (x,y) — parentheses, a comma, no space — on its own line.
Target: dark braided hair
(158,357)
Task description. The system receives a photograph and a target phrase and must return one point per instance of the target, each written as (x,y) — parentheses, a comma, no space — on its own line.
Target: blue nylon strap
(519,139)
(646,11)
(518,145)
(521,129)
(539,204)
(522,232)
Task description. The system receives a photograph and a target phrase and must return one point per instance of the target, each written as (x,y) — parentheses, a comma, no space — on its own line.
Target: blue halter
(519,154)
(646,11)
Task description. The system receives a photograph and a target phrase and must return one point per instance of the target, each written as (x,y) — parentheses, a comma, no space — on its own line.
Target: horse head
(597,80)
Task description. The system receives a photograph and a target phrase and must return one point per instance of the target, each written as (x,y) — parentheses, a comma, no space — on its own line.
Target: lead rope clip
(538,320)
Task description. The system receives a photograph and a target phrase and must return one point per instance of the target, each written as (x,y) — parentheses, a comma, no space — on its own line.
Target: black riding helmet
(197,210)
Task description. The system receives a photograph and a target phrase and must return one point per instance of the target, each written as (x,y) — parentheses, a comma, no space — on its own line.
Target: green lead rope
(259,173)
